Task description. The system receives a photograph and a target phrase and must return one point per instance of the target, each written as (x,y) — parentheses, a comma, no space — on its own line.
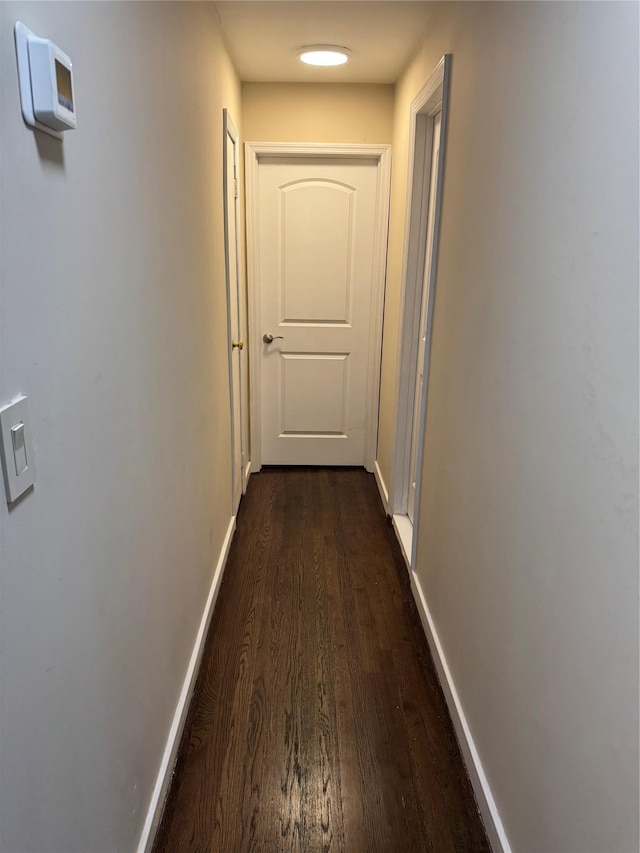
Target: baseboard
(384,494)
(486,803)
(179,718)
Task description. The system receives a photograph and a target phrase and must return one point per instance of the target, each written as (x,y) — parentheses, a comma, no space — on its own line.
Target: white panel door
(316,230)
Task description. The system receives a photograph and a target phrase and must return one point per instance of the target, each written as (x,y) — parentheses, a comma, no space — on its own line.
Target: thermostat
(46,83)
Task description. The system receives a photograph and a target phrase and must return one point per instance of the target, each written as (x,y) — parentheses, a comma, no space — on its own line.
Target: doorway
(237,351)
(426,140)
(317,219)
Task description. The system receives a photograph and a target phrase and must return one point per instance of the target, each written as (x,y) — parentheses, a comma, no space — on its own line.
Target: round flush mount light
(324,54)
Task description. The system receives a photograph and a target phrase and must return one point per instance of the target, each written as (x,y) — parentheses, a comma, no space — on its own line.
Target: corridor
(317,722)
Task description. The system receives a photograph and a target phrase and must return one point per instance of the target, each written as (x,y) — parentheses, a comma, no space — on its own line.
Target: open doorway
(237,351)
(427,130)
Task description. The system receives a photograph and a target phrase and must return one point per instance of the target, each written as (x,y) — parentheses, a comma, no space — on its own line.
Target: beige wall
(527,550)
(313,112)
(114,324)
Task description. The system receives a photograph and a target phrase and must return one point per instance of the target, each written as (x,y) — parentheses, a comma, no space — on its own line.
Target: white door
(422,339)
(236,343)
(316,250)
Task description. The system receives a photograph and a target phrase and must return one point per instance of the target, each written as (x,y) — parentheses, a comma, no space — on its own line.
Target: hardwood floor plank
(317,722)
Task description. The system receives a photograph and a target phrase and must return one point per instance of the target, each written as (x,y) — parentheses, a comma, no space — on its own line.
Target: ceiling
(263,37)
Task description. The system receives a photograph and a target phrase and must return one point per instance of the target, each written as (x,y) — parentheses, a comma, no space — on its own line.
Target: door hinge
(235,188)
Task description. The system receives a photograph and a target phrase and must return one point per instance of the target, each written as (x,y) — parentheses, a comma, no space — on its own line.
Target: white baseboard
(384,494)
(486,803)
(179,718)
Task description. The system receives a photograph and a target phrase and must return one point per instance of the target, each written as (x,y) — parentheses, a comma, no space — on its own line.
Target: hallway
(317,720)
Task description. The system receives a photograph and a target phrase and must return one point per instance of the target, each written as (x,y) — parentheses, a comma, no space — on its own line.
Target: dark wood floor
(318,722)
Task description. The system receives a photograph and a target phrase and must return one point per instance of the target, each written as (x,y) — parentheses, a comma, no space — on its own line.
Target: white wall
(114,324)
(527,550)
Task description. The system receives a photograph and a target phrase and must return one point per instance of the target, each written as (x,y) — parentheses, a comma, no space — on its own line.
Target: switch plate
(17,449)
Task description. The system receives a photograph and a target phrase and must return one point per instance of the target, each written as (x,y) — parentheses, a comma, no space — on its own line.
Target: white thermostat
(46,83)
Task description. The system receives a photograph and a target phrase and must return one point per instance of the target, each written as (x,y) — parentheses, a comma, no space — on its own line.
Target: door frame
(431,99)
(254,151)
(238,479)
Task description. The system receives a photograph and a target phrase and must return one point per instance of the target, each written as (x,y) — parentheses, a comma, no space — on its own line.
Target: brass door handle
(238,344)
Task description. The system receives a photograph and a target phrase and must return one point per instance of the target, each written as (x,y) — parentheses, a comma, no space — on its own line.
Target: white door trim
(431,99)
(229,130)
(382,153)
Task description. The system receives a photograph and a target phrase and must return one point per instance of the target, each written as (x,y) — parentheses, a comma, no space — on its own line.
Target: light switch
(17,449)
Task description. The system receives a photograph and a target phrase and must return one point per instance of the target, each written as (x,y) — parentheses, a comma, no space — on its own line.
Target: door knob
(238,344)
(269,339)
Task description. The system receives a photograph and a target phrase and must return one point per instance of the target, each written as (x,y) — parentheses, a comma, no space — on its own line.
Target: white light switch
(17,450)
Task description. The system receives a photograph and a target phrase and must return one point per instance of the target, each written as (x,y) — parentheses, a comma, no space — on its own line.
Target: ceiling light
(324,54)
